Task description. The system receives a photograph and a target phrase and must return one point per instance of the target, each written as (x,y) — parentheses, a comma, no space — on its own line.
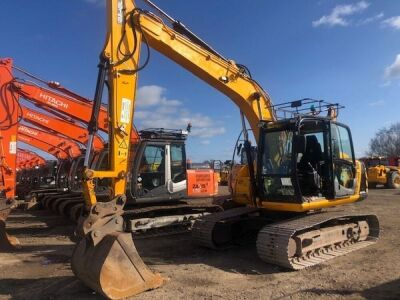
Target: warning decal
(125,110)
(123,145)
(13,148)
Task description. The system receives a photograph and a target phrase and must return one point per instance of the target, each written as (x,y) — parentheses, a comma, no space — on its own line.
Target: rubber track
(273,240)
(202,230)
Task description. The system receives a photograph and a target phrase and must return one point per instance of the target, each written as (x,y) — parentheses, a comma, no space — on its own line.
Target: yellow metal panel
(323,203)
(222,74)
(122,82)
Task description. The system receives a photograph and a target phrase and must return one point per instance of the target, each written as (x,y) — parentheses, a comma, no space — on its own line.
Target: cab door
(175,169)
(343,161)
(149,176)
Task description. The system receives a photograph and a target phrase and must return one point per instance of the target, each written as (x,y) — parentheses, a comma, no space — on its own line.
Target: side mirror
(300,143)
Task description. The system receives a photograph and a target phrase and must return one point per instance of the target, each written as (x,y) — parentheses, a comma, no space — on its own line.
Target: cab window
(178,170)
(341,145)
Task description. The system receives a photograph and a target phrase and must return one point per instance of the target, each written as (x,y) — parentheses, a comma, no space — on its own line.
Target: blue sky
(342,51)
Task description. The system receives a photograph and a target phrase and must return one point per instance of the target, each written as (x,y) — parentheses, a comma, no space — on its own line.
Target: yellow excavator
(383,170)
(301,164)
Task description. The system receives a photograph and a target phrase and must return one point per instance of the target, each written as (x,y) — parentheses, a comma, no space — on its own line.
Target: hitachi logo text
(28,131)
(37,118)
(53,101)
(23,138)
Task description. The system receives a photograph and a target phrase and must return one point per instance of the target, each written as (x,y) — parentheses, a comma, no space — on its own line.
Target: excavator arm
(118,270)
(28,159)
(70,104)
(63,127)
(68,146)
(55,102)
(44,146)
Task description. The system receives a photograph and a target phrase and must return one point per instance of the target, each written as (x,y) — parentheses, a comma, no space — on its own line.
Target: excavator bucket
(113,267)
(7,242)
(106,258)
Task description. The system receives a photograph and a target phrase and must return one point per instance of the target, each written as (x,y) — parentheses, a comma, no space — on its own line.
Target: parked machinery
(383,171)
(304,164)
(61,134)
(222,169)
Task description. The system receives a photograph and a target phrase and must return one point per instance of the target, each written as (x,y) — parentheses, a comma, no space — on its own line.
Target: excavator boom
(8,158)
(225,75)
(117,270)
(8,132)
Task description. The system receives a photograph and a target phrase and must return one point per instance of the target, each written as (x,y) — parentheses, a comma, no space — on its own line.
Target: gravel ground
(41,269)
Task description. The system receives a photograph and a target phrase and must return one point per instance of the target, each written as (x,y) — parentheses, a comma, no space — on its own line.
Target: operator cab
(75,175)
(48,174)
(305,158)
(159,166)
(62,174)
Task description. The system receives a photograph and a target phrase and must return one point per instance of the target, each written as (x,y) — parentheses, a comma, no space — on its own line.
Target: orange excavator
(67,128)
(64,149)
(8,157)
(26,162)
(57,126)
(65,102)
(79,109)
(63,161)
(69,108)
(28,159)
(44,146)
(33,170)
(72,148)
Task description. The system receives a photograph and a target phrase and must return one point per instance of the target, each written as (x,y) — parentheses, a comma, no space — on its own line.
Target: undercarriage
(290,242)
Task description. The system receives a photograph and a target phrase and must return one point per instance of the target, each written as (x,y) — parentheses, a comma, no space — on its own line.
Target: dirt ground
(41,269)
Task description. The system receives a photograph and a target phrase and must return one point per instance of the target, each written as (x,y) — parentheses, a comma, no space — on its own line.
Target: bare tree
(386,141)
